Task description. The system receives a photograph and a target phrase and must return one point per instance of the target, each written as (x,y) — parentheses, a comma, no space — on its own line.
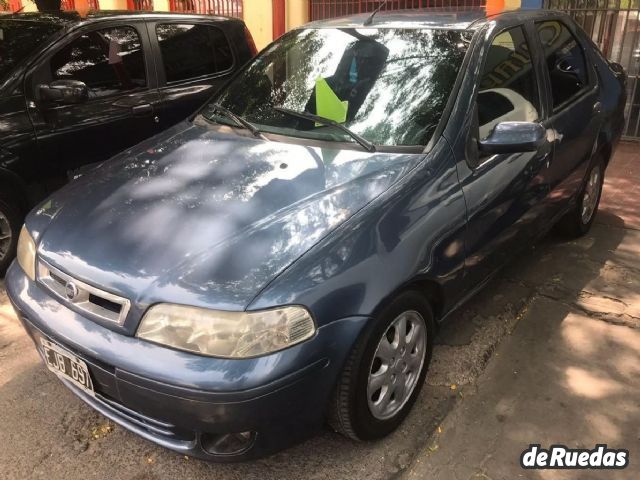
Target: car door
(113,62)
(195,58)
(574,121)
(503,192)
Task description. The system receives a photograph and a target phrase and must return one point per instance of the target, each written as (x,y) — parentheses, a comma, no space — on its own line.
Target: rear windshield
(19,39)
(388,85)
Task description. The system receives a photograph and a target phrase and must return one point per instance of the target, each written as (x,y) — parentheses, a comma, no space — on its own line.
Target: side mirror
(617,68)
(513,137)
(618,71)
(64,92)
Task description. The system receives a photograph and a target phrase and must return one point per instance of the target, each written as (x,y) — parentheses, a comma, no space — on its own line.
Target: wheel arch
(604,145)
(13,188)
(605,151)
(425,286)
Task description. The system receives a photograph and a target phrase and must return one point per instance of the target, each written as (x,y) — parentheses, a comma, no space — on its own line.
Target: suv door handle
(597,107)
(142,110)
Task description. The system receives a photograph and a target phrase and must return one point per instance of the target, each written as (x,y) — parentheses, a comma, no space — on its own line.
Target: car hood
(203,217)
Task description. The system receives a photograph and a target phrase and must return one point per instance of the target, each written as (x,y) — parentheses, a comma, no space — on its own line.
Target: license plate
(66,365)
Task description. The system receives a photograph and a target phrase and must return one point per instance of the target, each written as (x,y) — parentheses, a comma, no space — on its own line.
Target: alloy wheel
(396,365)
(6,235)
(591,195)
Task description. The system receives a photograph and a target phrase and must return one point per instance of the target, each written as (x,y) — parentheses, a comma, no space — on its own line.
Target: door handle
(142,110)
(597,107)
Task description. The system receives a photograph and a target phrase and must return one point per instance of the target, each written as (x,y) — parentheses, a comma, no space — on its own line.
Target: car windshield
(387,86)
(19,39)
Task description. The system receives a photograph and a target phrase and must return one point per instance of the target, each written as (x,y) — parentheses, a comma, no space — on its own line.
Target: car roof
(73,18)
(439,18)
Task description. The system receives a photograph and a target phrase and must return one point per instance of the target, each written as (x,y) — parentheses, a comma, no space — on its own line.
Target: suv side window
(191,51)
(508,87)
(565,60)
(108,61)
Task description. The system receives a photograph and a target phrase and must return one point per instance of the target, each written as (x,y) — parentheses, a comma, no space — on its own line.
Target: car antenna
(369,21)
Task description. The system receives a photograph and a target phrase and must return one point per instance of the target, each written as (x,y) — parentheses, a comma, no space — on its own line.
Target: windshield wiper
(241,122)
(366,144)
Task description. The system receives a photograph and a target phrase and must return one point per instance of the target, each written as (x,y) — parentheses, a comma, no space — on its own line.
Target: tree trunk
(48,5)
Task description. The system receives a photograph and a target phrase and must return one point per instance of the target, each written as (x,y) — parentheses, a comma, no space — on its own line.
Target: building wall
(297,13)
(259,19)
(158,5)
(29,6)
(258,15)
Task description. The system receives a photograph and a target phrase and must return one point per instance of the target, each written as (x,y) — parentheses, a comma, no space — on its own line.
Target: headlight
(27,253)
(226,334)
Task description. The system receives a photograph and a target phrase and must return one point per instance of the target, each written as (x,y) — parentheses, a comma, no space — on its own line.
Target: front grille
(153,425)
(160,431)
(87,299)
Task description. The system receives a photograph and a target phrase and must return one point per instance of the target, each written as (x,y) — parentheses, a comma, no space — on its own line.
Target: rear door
(575,118)
(503,192)
(111,59)
(194,59)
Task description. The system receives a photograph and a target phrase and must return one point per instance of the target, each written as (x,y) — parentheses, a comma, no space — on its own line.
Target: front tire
(385,371)
(579,220)
(10,223)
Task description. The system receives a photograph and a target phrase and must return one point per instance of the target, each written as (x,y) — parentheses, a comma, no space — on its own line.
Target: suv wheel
(385,372)
(9,230)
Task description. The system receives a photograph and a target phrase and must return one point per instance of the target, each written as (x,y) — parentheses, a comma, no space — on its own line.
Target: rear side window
(191,51)
(508,88)
(565,60)
(108,61)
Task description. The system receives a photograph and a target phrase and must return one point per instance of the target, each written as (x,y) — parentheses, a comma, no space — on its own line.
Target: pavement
(547,353)
(569,373)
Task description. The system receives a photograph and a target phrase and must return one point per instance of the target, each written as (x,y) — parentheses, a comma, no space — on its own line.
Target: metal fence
(614,25)
(322,9)
(227,8)
(146,5)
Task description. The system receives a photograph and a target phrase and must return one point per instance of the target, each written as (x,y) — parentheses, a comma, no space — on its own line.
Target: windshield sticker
(328,105)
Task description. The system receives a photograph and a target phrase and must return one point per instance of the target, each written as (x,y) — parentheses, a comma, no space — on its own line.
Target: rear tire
(10,224)
(578,221)
(385,371)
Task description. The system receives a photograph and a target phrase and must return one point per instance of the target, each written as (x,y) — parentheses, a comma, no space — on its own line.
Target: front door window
(508,88)
(108,61)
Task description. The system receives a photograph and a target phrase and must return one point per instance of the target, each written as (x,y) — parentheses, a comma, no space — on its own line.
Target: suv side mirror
(513,137)
(64,92)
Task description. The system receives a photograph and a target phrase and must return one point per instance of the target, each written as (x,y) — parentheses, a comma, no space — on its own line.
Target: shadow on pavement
(570,372)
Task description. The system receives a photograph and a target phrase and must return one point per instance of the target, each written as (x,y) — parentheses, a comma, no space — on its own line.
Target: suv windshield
(388,86)
(19,39)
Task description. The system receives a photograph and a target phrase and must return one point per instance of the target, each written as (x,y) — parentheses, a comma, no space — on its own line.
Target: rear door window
(193,50)
(109,61)
(565,61)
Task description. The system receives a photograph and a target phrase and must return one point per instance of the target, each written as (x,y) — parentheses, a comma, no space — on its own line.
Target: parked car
(286,257)
(75,91)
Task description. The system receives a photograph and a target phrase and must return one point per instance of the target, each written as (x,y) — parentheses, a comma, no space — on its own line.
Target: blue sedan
(284,258)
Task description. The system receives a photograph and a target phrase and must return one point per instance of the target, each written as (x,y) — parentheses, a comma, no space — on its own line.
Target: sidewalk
(570,371)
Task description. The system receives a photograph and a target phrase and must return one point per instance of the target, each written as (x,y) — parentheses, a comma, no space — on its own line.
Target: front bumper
(176,399)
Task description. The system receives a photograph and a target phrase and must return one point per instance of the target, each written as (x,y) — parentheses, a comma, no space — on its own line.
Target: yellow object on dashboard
(328,105)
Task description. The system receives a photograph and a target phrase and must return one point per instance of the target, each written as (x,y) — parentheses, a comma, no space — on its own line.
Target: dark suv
(75,91)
